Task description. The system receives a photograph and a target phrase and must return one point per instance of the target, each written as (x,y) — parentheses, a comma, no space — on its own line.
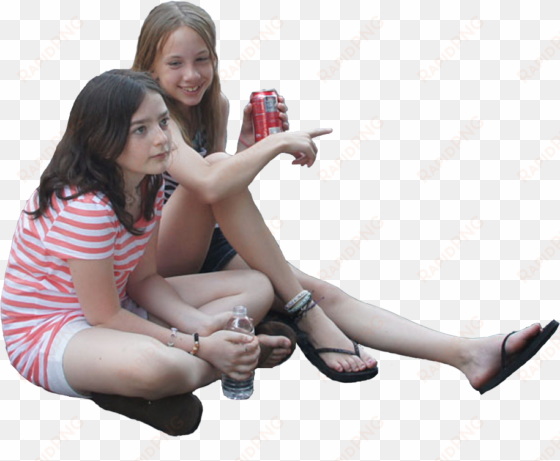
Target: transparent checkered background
(392,79)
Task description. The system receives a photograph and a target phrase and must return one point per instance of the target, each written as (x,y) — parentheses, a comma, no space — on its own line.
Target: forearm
(237,172)
(214,182)
(159,298)
(125,320)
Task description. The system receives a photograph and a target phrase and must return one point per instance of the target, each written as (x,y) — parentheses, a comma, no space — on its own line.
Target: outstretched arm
(212,182)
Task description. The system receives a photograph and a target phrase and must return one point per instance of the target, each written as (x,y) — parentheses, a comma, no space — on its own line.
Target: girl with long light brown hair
(177,44)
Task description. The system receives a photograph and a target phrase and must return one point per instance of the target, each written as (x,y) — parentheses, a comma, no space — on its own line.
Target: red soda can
(266,116)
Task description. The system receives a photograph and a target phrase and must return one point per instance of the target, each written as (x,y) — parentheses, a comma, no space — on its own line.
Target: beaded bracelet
(296,299)
(196,346)
(305,300)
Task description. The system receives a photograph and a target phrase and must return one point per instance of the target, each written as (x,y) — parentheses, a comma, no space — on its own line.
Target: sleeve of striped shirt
(83,230)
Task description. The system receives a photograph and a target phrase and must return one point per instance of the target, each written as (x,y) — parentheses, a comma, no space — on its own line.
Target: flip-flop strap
(340,351)
(504,350)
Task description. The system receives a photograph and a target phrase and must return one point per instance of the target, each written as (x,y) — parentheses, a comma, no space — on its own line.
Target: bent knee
(255,281)
(261,280)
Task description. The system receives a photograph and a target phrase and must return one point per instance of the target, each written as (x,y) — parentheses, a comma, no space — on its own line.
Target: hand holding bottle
(233,353)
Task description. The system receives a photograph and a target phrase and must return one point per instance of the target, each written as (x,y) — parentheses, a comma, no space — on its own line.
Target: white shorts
(55,370)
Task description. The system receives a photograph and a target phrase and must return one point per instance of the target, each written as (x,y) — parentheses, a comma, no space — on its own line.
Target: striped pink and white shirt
(38,297)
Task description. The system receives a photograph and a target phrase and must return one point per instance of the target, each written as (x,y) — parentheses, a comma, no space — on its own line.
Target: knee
(259,282)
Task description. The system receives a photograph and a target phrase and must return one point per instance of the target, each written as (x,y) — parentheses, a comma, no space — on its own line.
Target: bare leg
(184,237)
(116,362)
(380,329)
(244,227)
(133,365)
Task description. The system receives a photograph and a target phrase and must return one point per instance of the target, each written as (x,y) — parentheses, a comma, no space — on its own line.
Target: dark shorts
(219,254)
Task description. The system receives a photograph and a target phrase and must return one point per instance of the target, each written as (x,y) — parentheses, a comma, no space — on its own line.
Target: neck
(133,193)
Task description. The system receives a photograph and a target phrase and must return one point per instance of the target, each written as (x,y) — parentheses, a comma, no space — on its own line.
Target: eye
(203,59)
(174,63)
(165,121)
(140,129)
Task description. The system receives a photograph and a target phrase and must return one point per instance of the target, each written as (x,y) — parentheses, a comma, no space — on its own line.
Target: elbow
(107,322)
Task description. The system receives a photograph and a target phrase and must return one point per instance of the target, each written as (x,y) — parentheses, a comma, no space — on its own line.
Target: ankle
(461,353)
(311,317)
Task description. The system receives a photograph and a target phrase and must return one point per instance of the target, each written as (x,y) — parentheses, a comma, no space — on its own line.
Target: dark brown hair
(96,136)
(161,22)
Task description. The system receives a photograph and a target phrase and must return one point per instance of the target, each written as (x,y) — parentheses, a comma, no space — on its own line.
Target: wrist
(187,343)
(276,143)
(205,347)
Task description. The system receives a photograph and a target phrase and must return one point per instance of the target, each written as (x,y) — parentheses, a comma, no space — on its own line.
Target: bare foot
(280,349)
(484,355)
(323,332)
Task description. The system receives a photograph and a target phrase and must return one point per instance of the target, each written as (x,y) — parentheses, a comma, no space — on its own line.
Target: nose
(190,73)
(160,137)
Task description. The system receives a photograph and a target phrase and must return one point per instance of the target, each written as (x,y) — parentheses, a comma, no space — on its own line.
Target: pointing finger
(319,132)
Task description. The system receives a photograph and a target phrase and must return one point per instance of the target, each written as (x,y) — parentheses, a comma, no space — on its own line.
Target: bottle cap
(239,310)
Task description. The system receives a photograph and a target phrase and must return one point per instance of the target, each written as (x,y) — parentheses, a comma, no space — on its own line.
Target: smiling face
(148,136)
(184,67)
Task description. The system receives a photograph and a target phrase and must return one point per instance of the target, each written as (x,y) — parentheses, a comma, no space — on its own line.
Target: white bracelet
(173,336)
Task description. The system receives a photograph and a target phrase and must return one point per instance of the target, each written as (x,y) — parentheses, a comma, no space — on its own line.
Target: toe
(518,341)
(359,364)
(274,341)
(353,364)
(346,366)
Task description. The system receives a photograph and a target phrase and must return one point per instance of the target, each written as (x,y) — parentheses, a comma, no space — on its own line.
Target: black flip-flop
(313,356)
(518,359)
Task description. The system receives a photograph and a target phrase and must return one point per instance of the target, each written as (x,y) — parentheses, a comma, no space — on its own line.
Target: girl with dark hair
(81,295)
(177,44)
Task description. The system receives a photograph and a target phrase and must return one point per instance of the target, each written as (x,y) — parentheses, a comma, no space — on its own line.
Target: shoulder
(94,205)
(97,200)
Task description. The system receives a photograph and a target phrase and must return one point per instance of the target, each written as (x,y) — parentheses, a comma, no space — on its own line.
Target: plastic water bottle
(232,388)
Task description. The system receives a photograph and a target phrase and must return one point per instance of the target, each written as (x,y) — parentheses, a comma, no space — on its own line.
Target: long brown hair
(161,22)
(96,136)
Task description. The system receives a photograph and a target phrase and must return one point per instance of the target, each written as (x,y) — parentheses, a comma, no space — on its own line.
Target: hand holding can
(265,114)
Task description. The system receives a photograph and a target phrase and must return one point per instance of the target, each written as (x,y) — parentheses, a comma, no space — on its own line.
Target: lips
(160,155)
(190,90)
